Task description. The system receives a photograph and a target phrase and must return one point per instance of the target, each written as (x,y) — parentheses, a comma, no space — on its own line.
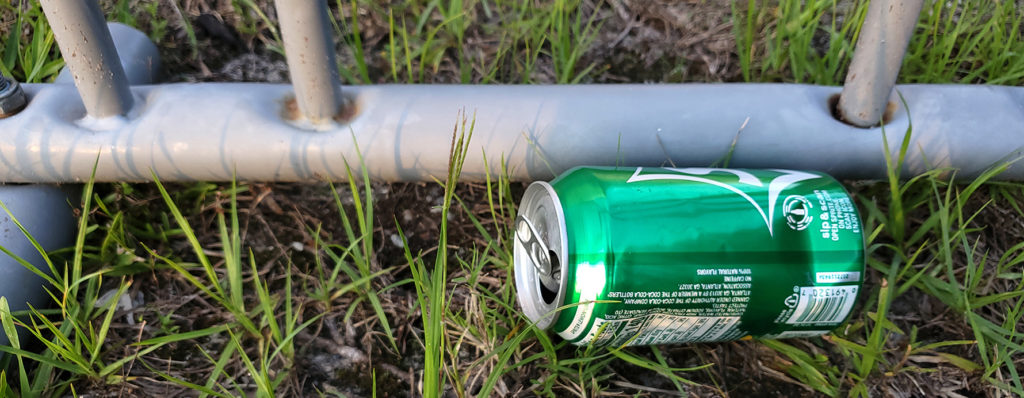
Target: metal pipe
(89,52)
(212,131)
(139,56)
(877,58)
(309,48)
(44,212)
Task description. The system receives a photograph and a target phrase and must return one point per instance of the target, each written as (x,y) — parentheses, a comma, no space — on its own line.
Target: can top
(539,255)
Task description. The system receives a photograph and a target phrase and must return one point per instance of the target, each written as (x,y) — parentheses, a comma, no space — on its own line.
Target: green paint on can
(645,255)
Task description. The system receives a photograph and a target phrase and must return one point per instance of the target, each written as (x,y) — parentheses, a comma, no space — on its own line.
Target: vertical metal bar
(89,53)
(139,56)
(877,57)
(309,47)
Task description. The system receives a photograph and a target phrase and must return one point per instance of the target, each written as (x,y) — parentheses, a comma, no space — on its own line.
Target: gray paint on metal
(309,47)
(877,58)
(210,131)
(138,55)
(85,42)
(44,212)
(12,98)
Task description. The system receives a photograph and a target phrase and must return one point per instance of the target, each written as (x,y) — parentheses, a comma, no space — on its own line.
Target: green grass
(432,284)
(778,42)
(812,42)
(980,45)
(925,234)
(426,41)
(74,342)
(33,57)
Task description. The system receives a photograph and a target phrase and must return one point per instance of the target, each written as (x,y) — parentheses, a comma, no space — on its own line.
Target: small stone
(397,241)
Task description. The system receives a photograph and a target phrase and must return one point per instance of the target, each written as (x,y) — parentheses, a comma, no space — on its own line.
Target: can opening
(546,293)
(540,254)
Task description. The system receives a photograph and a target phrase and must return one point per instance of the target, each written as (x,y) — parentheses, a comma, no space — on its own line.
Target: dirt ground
(639,41)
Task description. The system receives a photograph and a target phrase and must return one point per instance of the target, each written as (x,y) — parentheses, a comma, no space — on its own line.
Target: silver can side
(540,251)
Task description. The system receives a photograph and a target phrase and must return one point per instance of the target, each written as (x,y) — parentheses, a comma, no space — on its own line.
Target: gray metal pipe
(44,211)
(138,55)
(309,48)
(877,58)
(211,131)
(89,52)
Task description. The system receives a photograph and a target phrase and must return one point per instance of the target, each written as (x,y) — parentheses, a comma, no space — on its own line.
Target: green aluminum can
(646,255)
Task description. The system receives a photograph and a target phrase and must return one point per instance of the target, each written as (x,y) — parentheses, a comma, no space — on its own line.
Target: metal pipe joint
(88,49)
(877,57)
(309,48)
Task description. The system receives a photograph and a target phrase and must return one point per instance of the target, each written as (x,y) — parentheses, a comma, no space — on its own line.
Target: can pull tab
(527,234)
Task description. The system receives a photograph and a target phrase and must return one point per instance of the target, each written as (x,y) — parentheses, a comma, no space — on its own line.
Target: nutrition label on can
(722,292)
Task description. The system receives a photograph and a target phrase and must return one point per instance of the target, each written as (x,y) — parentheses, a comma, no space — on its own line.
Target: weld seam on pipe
(85,42)
(877,58)
(309,49)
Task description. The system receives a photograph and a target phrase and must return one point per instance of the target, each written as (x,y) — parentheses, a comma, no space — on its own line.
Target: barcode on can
(819,305)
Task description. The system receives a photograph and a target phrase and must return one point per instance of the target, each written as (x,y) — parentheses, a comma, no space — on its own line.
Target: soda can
(638,256)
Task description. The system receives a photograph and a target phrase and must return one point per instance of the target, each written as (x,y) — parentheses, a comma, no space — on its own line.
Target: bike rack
(309,130)
(115,118)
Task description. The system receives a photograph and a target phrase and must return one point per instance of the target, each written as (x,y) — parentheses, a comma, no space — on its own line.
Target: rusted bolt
(12,98)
